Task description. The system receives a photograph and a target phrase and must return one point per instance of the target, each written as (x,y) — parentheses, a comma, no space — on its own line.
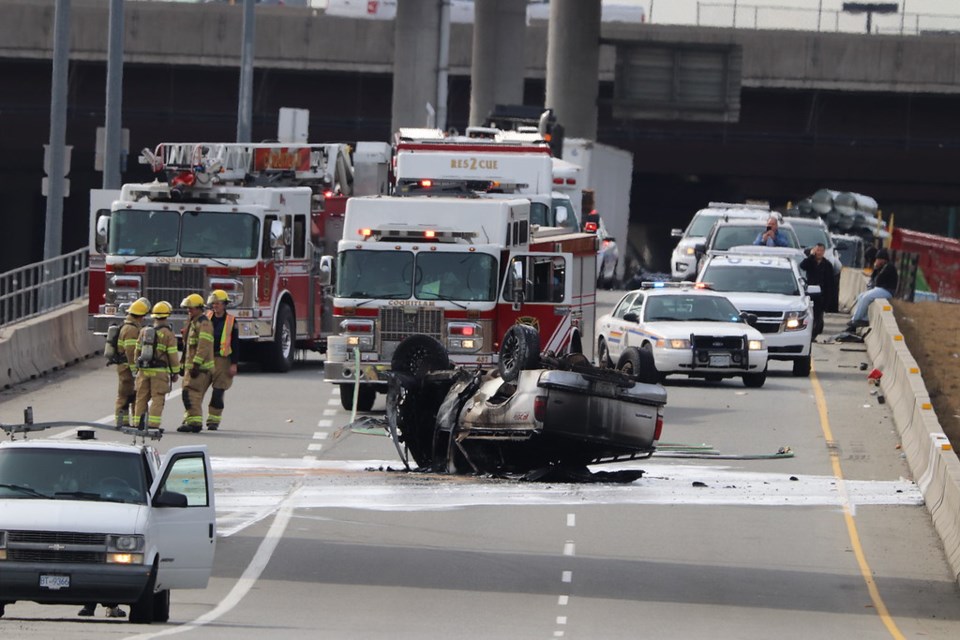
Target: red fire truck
(459,269)
(260,221)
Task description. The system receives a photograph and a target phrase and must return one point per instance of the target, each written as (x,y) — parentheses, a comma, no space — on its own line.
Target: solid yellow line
(865,570)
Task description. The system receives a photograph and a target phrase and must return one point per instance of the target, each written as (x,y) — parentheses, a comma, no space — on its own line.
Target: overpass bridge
(796,111)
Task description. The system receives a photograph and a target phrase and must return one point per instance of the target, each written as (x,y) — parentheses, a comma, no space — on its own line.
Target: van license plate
(54,582)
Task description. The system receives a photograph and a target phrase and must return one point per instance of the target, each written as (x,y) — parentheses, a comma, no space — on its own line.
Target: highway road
(321,533)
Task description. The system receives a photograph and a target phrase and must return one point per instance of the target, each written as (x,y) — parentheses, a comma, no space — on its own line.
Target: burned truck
(531,414)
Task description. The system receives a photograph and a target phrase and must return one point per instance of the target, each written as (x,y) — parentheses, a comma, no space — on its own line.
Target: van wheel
(365,398)
(519,350)
(280,353)
(801,367)
(161,606)
(143,610)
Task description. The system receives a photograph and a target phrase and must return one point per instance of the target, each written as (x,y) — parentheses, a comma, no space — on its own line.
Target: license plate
(720,360)
(54,582)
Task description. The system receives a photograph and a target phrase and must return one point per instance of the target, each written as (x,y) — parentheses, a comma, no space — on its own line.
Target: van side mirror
(631,317)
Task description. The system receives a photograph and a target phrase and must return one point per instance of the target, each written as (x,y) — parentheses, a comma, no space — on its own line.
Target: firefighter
(197,363)
(225,336)
(126,360)
(157,365)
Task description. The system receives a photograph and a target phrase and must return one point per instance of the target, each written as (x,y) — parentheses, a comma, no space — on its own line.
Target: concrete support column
(416,41)
(499,61)
(573,61)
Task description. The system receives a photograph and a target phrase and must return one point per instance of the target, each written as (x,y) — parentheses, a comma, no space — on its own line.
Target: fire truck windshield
(138,232)
(439,275)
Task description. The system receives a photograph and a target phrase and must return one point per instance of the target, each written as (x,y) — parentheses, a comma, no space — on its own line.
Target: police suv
(86,522)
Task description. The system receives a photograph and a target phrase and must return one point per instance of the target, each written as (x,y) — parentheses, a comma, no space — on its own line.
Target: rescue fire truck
(459,269)
(260,221)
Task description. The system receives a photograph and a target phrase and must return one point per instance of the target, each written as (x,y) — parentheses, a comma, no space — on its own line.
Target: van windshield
(72,474)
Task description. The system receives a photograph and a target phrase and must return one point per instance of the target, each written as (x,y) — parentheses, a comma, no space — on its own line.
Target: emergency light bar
(406,233)
(675,285)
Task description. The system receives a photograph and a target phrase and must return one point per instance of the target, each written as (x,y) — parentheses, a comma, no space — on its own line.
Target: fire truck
(259,221)
(459,269)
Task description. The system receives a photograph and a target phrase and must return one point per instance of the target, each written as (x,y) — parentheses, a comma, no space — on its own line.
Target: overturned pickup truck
(534,412)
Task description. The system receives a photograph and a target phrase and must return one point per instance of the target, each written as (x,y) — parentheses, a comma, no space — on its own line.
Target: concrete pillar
(573,61)
(416,43)
(499,62)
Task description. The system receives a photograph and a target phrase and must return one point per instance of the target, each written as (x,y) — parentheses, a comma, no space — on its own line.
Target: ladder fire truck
(260,221)
(459,269)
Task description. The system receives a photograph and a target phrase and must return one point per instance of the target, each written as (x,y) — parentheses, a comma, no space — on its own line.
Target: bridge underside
(902,149)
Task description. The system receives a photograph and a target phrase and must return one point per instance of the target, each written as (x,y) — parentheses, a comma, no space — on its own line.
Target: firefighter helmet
(192,300)
(162,309)
(218,295)
(139,307)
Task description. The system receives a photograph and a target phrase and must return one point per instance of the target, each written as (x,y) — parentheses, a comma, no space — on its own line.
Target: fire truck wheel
(365,397)
(639,365)
(281,352)
(419,354)
(519,350)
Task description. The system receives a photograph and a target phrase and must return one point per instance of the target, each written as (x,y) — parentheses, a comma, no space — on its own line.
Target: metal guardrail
(742,15)
(37,288)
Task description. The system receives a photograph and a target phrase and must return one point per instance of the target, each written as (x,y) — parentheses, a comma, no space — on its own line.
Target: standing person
(819,272)
(126,360)
(157,363)
(882,285)
(197,362)
(772,237)
(226,357)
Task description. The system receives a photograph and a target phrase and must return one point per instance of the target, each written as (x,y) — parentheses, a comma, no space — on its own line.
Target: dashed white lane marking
(329,412)
(568,548)
(320,435)
(333,401)
(566,576)
(563,600)
(571,519)
(314,447)
(558,634)
(325,423)
(561,619)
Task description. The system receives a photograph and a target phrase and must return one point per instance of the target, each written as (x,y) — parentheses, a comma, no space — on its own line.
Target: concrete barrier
(852,282)
(933,462)
(40,345)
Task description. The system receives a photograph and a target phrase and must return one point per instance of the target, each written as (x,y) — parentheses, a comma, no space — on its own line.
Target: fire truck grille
(173,282)
(396,323)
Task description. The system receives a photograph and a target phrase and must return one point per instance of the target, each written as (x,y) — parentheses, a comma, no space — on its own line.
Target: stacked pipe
(844,212)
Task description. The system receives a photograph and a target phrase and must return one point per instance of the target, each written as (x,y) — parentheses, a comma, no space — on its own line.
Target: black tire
(603,355)
(143,610)
(519,350)
(280,353)
(418,355)
(576,342)
(754,380)
(801,367)
(365,398)
(639,365)
(161,606)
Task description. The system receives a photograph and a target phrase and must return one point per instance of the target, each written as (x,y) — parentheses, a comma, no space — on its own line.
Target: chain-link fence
(741,15)
(43,286)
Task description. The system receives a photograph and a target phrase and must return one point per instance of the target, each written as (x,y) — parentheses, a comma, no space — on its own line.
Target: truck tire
(419,354)
(280,353)
(801,367)
(143,610)
(639,365)
(161,606)
(519,350)
(365,398)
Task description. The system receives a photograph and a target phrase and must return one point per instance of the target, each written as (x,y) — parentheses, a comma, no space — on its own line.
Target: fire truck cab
(260,221)
(459,269)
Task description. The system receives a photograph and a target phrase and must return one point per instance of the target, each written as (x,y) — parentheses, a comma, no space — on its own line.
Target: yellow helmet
(192,300)
(139,307)
(162,309)
(218,295)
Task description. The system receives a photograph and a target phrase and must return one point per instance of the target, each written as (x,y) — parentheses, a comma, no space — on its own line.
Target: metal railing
(741,15)
(37,288)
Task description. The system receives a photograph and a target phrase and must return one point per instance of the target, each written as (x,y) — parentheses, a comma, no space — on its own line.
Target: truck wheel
(419,354)
(519,350)
(161,606)
(639,365)
(801,367)
(142,611)
(365,399)
(281,352)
